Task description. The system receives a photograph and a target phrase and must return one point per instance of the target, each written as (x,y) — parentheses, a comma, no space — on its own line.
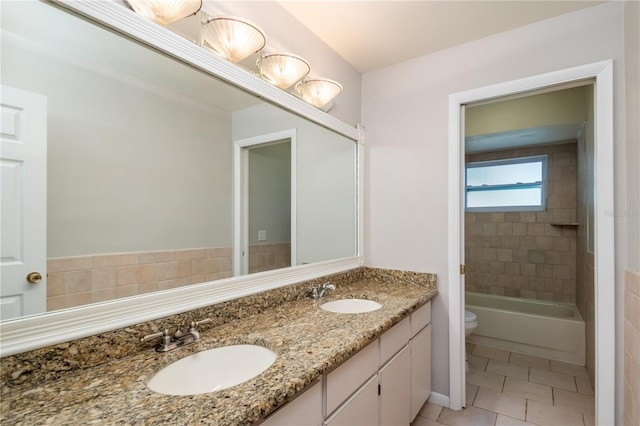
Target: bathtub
(534,327)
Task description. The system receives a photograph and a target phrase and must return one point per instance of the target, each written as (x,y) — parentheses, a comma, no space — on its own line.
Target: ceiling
(374,34)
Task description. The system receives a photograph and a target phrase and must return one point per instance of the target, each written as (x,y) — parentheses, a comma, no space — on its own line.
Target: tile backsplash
(80,280)
(527,254)
(265,257)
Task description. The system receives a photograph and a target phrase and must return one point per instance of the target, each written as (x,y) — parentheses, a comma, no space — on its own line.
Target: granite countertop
(309,342)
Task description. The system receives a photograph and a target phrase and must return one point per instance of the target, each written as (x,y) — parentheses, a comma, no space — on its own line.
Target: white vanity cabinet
(420,350)
(305,410)
(386,383)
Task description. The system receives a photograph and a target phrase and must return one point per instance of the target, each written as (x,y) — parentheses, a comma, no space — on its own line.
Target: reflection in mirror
(138,152)
(268,200)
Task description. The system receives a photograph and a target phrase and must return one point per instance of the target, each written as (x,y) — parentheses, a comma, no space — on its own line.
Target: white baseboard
(439,399)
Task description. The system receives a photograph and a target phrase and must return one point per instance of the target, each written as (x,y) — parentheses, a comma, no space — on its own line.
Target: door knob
(34,277)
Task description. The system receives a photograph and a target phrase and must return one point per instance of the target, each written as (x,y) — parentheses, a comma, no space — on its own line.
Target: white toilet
(470,325)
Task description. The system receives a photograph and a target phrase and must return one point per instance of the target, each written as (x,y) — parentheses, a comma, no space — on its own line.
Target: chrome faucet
(319,294)
(180,338)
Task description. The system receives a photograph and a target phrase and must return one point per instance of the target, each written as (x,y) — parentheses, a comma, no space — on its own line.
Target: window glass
(506,185)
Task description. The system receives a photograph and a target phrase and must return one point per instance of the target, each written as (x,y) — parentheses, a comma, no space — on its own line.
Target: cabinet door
(305,410)
(359,410)
(395,390)
(344,380)
(420,347)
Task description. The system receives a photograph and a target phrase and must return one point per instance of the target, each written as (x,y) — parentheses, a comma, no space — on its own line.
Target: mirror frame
(33,332)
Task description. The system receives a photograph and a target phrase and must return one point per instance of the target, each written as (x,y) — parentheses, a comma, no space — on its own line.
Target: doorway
(603,229)
(265,199)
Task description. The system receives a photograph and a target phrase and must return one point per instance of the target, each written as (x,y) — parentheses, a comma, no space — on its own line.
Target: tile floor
(507,388)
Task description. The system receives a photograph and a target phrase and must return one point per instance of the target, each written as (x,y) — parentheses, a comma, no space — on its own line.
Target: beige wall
(632,348)
(631,212)
(406,113)
(522,254)
(547,109)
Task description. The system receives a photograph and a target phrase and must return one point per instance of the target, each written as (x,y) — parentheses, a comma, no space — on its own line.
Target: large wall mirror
(139,156)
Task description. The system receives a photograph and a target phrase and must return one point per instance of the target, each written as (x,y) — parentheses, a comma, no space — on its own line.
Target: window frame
(543,159)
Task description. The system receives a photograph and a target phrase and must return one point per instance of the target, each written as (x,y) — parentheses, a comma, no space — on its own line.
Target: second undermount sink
(351,306)
(212,370)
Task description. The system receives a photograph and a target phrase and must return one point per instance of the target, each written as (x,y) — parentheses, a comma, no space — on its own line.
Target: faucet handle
(164,335)
(194,324)
(154,335)
(192,328)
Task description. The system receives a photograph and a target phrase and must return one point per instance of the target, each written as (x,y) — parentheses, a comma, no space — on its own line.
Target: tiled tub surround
(80,280)
(523,254)
(632,347)
(265,257)
(103,378)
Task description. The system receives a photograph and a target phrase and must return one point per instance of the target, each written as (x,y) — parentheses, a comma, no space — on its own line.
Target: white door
(23,203)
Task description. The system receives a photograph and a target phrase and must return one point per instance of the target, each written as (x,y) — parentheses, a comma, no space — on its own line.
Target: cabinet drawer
(305,410)
(360,410)
(394,339)
(420,318)
(344,380)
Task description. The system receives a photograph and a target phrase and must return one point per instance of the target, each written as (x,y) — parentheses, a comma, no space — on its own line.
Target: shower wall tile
(632,348)
(526,254)
(79,280)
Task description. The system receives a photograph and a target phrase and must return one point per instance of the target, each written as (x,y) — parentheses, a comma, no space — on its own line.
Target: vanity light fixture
(232,38)
(318,91)
(282,70)
(165,12)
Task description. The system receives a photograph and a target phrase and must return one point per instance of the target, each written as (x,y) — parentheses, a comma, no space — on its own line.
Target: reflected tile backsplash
(80,280)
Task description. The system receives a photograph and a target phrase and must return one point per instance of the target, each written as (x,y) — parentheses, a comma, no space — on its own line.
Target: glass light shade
(283,70)
(165,12)
(318,92)
(232,38)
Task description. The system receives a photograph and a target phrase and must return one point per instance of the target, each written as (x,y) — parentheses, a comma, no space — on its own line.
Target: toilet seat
(470,322)
(469,316)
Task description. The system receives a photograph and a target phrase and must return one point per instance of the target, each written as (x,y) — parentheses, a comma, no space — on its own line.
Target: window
(514,184)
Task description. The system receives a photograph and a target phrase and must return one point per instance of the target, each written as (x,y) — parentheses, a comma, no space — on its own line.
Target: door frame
(604,291)
(241,192)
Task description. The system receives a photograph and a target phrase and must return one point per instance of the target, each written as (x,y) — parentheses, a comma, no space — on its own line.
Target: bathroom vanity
(331,368)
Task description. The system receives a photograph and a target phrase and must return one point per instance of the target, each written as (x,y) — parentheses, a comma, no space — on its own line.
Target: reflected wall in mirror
(139,160)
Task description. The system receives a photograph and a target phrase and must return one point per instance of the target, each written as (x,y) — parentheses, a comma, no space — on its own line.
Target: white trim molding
(602,73)
(38,331)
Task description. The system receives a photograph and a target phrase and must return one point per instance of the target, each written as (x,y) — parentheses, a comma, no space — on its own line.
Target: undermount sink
(212,370)
(351,306)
